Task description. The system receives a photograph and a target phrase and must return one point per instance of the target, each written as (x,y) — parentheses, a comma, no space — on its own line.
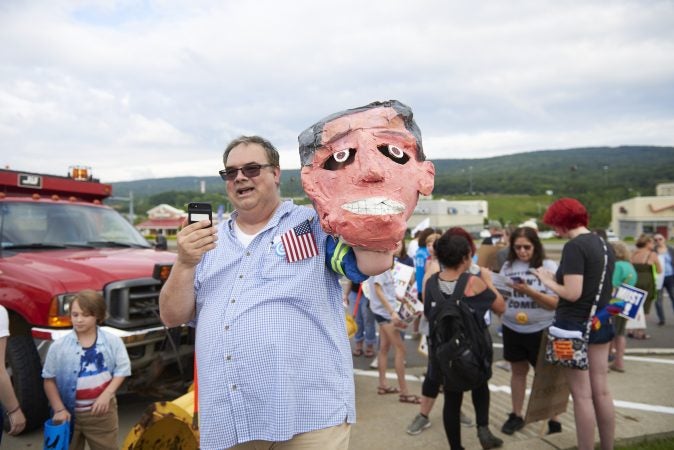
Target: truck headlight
(59,310)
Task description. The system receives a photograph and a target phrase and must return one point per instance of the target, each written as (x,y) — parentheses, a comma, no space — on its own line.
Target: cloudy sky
(156,88)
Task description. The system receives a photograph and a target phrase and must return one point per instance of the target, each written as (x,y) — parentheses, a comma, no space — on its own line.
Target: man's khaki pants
(333,438)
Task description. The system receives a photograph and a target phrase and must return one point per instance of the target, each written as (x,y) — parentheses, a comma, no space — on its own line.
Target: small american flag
(299,242)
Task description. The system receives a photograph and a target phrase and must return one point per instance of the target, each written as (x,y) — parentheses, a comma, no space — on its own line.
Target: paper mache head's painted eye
(342,155)
(395,154)
(395,151)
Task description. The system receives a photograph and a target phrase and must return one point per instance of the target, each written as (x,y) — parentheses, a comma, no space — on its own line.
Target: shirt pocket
(276,267)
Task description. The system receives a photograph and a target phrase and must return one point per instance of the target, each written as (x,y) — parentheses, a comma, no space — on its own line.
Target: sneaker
(513,424)
(375,363)
(419,424)
(504,365)
(554,427)
(466,421)
(488,440)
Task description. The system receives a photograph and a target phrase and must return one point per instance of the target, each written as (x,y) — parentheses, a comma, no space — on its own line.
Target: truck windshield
(54,225)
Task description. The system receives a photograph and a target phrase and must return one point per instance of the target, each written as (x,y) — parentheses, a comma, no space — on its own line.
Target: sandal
(369,352)
(409,398)
(615,368)
(387,390)
(358,352)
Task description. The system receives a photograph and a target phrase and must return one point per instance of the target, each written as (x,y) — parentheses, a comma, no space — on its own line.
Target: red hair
(458,231)
(566,213)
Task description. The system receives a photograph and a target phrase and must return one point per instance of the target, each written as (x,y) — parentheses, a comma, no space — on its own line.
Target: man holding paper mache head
(273,357)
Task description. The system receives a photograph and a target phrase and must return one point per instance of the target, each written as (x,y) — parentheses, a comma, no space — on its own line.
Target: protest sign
(549,392)
(633,298)
(410,307)
(502,284)
(402,274)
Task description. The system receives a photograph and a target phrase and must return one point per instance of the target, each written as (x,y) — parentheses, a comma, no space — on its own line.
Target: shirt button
(233,301)
(229,357)
(240,276)
(247,253)
(226,327)
(234,387)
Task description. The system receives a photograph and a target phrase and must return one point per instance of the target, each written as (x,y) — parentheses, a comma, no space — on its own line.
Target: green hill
(522,183)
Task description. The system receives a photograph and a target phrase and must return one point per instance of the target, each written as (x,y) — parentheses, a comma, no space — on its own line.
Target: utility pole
(470,179)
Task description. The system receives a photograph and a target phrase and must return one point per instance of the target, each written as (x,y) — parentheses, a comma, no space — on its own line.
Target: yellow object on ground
(166,425)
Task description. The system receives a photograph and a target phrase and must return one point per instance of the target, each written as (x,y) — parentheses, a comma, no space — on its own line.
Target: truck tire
(24,364)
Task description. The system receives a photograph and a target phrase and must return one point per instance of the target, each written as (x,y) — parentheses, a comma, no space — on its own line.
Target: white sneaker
(419,424)
(375,363)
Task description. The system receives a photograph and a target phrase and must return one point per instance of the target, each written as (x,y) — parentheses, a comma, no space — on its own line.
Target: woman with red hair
(586,264)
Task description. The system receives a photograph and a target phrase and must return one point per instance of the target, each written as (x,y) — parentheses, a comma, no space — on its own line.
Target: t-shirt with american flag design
(93,378)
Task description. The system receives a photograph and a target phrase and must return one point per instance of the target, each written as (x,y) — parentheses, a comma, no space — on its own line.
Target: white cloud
(157,88)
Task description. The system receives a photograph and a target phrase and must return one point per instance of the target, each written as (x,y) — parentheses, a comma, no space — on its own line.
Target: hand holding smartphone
(197,211)
(517,280)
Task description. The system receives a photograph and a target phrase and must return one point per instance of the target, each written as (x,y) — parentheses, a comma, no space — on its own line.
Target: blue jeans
(364,319)
(668,285)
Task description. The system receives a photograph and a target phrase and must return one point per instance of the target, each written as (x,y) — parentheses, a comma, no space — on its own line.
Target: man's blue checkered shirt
(273,357)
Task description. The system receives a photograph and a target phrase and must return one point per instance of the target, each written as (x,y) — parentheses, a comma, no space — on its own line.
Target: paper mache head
(364,169)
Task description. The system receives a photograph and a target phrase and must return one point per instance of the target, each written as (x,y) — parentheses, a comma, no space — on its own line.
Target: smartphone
(517,280)
(199,211)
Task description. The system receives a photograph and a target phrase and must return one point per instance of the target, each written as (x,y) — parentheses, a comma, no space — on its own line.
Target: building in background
(469,214)
(162,219)
(632,217)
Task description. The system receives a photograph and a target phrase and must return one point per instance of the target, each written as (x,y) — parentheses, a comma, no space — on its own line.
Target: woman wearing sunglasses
(529,311)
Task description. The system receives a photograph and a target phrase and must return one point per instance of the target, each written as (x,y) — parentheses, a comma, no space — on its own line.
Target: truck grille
(132,303)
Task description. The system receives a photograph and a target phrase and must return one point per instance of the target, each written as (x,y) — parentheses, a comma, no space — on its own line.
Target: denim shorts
(380,319)
(604,334)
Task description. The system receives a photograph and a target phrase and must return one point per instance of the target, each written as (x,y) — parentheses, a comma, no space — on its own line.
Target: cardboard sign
(633,297)
(423,346)
(549,392)
(486,256)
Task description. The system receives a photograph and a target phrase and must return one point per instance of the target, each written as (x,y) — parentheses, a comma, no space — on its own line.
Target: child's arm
(102,403)
(61,414)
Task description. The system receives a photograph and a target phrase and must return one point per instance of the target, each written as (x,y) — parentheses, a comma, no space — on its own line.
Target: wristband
(9,413)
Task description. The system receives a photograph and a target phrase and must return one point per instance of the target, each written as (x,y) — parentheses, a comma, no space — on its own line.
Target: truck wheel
(25,368)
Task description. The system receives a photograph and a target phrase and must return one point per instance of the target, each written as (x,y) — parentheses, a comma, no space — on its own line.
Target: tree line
(598,177)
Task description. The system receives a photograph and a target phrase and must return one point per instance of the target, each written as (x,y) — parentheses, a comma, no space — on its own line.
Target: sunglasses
(523,247)
(248,171)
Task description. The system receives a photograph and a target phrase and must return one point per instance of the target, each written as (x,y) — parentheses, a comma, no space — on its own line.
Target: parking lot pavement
(643,397)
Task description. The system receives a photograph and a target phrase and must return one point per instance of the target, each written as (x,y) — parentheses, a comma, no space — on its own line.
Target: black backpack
(460,343)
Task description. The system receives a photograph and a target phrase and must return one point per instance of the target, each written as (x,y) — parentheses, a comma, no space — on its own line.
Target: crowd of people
(544,293)
(263,292)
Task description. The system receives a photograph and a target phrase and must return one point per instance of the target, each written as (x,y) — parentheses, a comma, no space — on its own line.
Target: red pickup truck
(57,238)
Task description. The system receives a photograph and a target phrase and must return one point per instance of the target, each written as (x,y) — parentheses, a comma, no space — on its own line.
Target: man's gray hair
(272,153)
